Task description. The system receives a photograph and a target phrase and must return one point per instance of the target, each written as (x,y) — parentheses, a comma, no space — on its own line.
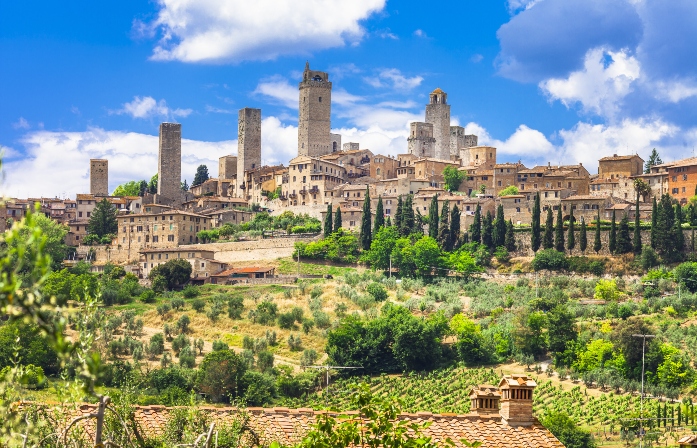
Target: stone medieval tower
(99,177)
(169,163)
(248,145)
(421,142)
(438,114)
(314,114)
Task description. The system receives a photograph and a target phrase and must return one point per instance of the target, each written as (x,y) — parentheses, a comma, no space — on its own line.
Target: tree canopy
(103,219)
(453,178)
(201,175)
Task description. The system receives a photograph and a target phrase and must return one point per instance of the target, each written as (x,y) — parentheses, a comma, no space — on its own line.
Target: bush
(147,296)
(183,323)
(286,321)
(551,260)
(584,265)
(648,258)
(187,358)
(295,343)
(190,291)
(179,343)
(686,274)
(235,307)
(177,303)
(259,388)
(198,305)
(220,374)
(220,345)
(607,290)
(163,309)
(265,360)
(157,344)
(266,312)
(308,358)
(170,274)
(377,291)
(162,379)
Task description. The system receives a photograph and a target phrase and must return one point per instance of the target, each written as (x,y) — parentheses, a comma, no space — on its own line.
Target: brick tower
(99,177)
(169,163)
(314,116)
(438,114)
(248,145)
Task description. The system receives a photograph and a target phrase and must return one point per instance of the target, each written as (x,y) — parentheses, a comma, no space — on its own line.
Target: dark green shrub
(286,321)
(198,305)
(377,291)
(550,259)
(235,307)
(190,291)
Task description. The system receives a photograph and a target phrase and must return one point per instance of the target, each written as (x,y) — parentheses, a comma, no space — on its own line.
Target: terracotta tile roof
(287,426)
(247,270)
(616,157)
(583,197)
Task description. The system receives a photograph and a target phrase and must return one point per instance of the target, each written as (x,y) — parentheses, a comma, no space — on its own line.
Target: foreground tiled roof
(287,426)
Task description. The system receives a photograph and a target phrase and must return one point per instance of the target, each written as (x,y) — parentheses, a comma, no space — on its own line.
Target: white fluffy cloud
(236,30)
(22,123)
(148,107)
(394,79)
(606,78)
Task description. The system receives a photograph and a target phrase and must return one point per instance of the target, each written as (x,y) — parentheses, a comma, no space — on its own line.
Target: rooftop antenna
(326,369)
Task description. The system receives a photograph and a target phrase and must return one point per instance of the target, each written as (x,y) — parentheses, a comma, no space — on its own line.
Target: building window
(79,214)
(155,239)
(675,191)
(517,209)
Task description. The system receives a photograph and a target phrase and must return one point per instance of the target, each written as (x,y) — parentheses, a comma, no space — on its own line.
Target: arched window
(333,146)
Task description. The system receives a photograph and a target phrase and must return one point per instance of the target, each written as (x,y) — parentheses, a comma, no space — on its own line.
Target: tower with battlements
(421,142)
(169,162)
(248,145)
(314,114)
(438,114)
(99,177)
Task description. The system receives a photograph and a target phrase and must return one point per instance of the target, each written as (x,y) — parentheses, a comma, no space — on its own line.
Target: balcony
(292,196)
(314,190)
(303,192)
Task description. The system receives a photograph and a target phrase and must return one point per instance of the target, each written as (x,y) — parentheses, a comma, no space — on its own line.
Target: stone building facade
(460,140)
(202,263)
(311,181)
(169,162)
(99,177)
(248,146)
(620,166)
(421,142)
(438,114)
(335,140)
(314,113)
(383,167)
(227,167)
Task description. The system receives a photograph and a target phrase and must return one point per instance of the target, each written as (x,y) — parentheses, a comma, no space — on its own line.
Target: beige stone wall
(438,114)
(169,167)
(421,142)
(248,146)
(99,177)
(227,167)
(314,114)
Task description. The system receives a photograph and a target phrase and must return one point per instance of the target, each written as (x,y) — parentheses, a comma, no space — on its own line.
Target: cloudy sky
(543,80)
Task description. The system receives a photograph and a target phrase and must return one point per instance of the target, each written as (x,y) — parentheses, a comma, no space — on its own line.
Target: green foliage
(328,221)
(509,191)
(131,188)
(201,175)
(220,375)
(535,238)
(174,273)
(444,235)
(366,234)
(653,160)
(607,290)
(548,239)
(341,246)
(103,219)
(31,347)
(567,431)
(198,305)
(433,217)
(550,259)
(453,178)
(686,274)
(377,291)
(559,232)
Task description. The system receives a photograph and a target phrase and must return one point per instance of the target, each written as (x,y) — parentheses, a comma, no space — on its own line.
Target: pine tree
(455,226)
(398,215)
(499,233)
(548,240)
(103,219)
(444,227)
(143,188)
(328,221)
(510,237)
(612,244)
(379,216)
(582,237)
(624,243)
(571,237)
(407,219)
(388,223)
(559,232)
(433,217)
(636,243)
(185,185)
(418,223)
(366,232)
(654,224)
(476,227)
(597,245)
(654,159)
(535,238)
(201,175)
(337,219)
(487,231)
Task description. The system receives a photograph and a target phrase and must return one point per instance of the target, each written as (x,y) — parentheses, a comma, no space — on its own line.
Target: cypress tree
(636,242)
(612,244)
(418,223)
(510,237)
(433,218)
(582,237)
(654,223)
(379,216)
(535,238)
(548,240)
(693,214)
(476,227)
(571,238)
(407,219)
(499,234)
(664,226)
(388,223)
(444,227)
(398,215)
(624,243)
(597,245)
(328,221)
(455,226)
(366,232)
(337,219)
(559,232)
(487,231)
(677,237)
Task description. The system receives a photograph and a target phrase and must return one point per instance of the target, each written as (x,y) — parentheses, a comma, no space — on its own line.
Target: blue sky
(543,80)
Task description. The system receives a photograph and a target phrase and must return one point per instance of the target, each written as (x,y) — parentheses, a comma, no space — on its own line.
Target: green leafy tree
(562,335)
(444,227)
(328,221)
(53,236)
(476,226)
(509,191)
(499,230)
(103,219)
(487,231)
(463,263)
(654,159)
(567,431)
(624,243)
(381,247)
(583,237)
(548,239)
(152,186)
(407,221)
(220,375)
(571,236)
(201,175)
(337,219)
(175,272)
(426,256)
(559,232)
(612,243)
(433,217)
(453,178)
(366,231)
(509,242)
(131,188)
(398,214)
(185,185)
(636,242)
(454,226)
(379,216)
(528,332)
(143,188)
(471,346)
(535,238)
(597,245)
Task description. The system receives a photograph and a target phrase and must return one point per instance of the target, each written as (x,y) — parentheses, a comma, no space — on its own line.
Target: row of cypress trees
(492,231)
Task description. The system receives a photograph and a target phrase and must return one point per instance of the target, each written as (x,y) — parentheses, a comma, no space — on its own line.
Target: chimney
(549,164)
(485,400)
(516,399)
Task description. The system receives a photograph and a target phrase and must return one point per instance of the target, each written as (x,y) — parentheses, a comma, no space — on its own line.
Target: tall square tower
(438,114)
(169,161)
(99,177)
(248,145)
(314,113)
(227,167)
